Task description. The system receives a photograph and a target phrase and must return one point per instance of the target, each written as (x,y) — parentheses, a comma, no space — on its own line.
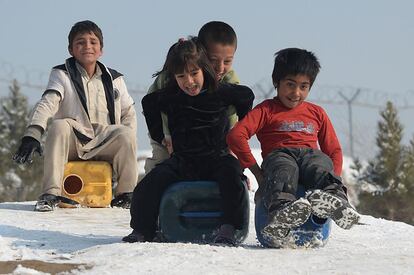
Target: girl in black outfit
(196,108)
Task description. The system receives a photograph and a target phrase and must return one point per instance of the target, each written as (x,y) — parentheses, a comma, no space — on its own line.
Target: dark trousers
(225,170)
(283,169)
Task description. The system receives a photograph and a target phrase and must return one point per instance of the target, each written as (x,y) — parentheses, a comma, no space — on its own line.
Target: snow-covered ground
(89,240)
(93,237)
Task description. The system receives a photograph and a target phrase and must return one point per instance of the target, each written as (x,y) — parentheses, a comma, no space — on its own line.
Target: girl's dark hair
(85,27)
(183,54)
(294,61)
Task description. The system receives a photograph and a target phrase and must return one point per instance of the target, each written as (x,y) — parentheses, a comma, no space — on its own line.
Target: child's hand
(259,192)
(28,147)
(248,184)
(167,142)
(258,174)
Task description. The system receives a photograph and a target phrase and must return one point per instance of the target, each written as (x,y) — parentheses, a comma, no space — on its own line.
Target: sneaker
(286,217)
(122,200)
(328,205)
(225,235)
(134,237)
(46,203)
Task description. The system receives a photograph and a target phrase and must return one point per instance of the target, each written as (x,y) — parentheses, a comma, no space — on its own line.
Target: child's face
(293,90)
(221,57)
(191,80)
(86,48)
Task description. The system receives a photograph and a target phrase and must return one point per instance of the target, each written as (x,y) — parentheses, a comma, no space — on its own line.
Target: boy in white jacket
(93,118)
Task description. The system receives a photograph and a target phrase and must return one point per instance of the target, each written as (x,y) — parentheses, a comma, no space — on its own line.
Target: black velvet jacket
(198,124)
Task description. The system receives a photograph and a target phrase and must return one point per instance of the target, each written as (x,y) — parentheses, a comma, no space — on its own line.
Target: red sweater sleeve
(239,135)
(329,143)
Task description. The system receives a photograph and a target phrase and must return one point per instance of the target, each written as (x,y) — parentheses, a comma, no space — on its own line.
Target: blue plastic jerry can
(313,233)
(190,211)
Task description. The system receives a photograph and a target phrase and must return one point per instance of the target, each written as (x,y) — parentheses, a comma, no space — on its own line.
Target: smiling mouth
(192,89)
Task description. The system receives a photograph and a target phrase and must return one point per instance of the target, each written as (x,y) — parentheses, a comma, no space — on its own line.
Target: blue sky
(361,44)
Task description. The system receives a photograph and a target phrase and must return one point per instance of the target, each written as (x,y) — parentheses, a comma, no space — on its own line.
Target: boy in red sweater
(299,146)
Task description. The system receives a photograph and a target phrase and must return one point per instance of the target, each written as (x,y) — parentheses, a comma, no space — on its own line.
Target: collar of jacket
(107,77)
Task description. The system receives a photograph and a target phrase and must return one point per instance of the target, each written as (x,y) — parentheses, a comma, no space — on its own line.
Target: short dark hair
(82,27)
(217,32)
(185,53)
(294,61)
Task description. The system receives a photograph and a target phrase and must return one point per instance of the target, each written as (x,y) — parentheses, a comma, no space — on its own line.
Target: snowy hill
(91,240)
(88,241)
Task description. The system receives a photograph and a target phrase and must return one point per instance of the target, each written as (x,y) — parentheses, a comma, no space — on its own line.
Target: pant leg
(226,171)
(121,154)
(317,172)
(280,178)
(159,154)
(147,196)
(60,146)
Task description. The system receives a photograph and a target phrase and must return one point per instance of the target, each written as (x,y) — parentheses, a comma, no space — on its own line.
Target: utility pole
(349,102)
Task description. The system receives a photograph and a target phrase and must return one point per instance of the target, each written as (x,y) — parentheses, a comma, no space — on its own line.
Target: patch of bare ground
(52,268)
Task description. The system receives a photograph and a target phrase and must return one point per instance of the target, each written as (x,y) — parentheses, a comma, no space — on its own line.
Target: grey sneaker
(290,215)
(327,205)
(46,203)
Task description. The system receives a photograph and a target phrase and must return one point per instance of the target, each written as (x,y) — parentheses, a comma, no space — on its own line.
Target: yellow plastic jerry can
(88,182)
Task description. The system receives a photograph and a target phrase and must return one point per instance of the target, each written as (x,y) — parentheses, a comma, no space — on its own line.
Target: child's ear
(70,50)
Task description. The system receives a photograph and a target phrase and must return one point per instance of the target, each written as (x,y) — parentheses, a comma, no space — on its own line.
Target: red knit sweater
(305,126)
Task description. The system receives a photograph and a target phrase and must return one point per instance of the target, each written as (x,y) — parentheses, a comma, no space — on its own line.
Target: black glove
(27,149)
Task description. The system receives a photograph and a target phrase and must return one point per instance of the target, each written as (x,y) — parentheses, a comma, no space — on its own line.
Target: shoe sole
(325,205)
(43,207)
(285,219)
